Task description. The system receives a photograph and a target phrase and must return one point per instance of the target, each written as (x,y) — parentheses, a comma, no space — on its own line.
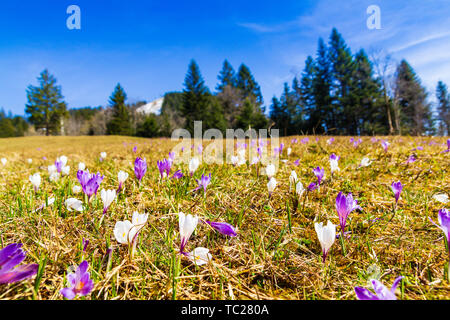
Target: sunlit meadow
(355,216)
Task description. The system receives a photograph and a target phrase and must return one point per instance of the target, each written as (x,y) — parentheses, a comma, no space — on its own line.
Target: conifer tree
(120,123)
(226,76)
(195,97)
(415,114)
(46,107)
(248,86)
(443,108)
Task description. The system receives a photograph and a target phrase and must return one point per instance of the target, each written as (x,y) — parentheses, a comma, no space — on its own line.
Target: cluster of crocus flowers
(122,176)
(35,180)
(164,167)
(334,163)
(194,163)
(381,291)
(203,182)
(326,235)
(10,258)
(140,168)
(80,283)
(89,182)
(107,197)
(345,205)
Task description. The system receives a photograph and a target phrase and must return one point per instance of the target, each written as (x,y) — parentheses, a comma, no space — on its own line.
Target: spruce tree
(342,67)
(249,88)
(251,117)
(415,113)
(226,76)
(323,117)
(443,108)
(365,96)
(195,97)
(46,107)
(120,123)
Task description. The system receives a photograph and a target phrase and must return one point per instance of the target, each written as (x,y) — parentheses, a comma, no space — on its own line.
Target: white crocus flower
(63,160)
(365,162)
(81,166)
(76,189)
(4,161)
(200,256)
(193,165)
(124,232)
(30,161)
(35,180)
(65,170)
(271,185)
(292,179)
(187,225)
(138,220)
(299,189)
(122,176)
(74,204)
(54,176)
(270,171)
(334,166)
(326,235)
(441,197)
(234,160)
(51,169)
(107,197)
(102,156)
(289,150)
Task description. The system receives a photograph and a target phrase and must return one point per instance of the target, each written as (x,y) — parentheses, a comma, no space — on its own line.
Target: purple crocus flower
(89,182)
(385,145)
(305,140)
(199,149)
(312,186)
(177,175)
(448,146)
(134,149)
(281,147)
(294,141)
(10,257)
(381,292)
(411,159)
(58,165)
(444,221)
(223,227)
(79,282)
(164,167)
(203,182)
(345,205)
(171,156)
(397,189)
(319,174)
(140,167)
(297,162)
(85,244)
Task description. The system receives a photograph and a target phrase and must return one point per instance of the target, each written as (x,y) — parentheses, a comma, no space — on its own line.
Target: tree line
(337,93)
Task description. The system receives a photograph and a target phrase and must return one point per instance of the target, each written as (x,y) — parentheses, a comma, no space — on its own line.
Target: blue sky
(147,45)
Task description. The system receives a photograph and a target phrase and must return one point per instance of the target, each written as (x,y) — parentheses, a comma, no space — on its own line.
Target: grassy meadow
(276,254)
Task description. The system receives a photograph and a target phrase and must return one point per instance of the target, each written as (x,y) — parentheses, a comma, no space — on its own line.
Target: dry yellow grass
(276,254)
